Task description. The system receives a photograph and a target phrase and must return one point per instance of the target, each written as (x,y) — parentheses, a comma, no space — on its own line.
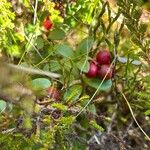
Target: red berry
(92,70)
(53,93)
(47,23)
(103,57)
(105,69)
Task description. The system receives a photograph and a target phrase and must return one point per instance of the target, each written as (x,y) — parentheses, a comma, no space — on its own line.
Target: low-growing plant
(74,75)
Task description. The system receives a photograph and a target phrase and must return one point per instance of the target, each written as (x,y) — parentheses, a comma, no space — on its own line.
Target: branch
(34,71)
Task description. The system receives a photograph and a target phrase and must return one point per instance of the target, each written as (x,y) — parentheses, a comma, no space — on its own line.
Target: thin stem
(34,71)
(35,12)
(33,46)
(133,116)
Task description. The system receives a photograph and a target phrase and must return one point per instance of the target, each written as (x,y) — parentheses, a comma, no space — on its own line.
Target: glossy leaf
(2,105)
(95,83)
(41,83)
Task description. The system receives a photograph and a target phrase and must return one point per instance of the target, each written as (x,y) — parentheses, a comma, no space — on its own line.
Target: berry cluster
(101,67)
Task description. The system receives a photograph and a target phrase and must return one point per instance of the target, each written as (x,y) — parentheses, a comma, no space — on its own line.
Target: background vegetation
(91,113)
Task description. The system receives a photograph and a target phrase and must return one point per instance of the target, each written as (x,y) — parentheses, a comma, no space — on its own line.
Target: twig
(98,142)
(8,131)
(34,71)
(33,46)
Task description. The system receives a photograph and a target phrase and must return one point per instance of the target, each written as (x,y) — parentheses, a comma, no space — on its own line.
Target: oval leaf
(73,93)
(2,105)
(84,47)
(41,83)
(95,82)
(54,66)
(83,65)
(56,34)
(64,50)
(39,43)
(91,108)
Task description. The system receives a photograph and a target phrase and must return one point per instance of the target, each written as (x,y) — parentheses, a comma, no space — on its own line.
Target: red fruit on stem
(53,93)
(47,23)
(103,57)
(92,70)
(105,69)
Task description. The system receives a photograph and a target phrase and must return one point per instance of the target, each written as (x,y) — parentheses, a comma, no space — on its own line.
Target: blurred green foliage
(80,29)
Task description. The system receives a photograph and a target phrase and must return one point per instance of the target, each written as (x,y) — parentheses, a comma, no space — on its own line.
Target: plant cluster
(75,75)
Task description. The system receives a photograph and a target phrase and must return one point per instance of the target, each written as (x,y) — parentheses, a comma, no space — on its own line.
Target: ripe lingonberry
(92,70)
(103,57)
(47,23)
(103,70)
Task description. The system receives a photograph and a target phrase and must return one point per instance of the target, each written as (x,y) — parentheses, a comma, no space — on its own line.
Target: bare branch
(34,71)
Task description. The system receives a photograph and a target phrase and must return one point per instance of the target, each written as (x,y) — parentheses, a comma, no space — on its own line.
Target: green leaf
(41,83)
(95,83)
(60,106)
(64,50)
(73,93)
(96,126)
(14,50)
(84,47)
(83,65)
(56,34)
(39,43)
(54,66)
(2,105)
(27,122)
(30,28)
(91,108)
(147,113)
